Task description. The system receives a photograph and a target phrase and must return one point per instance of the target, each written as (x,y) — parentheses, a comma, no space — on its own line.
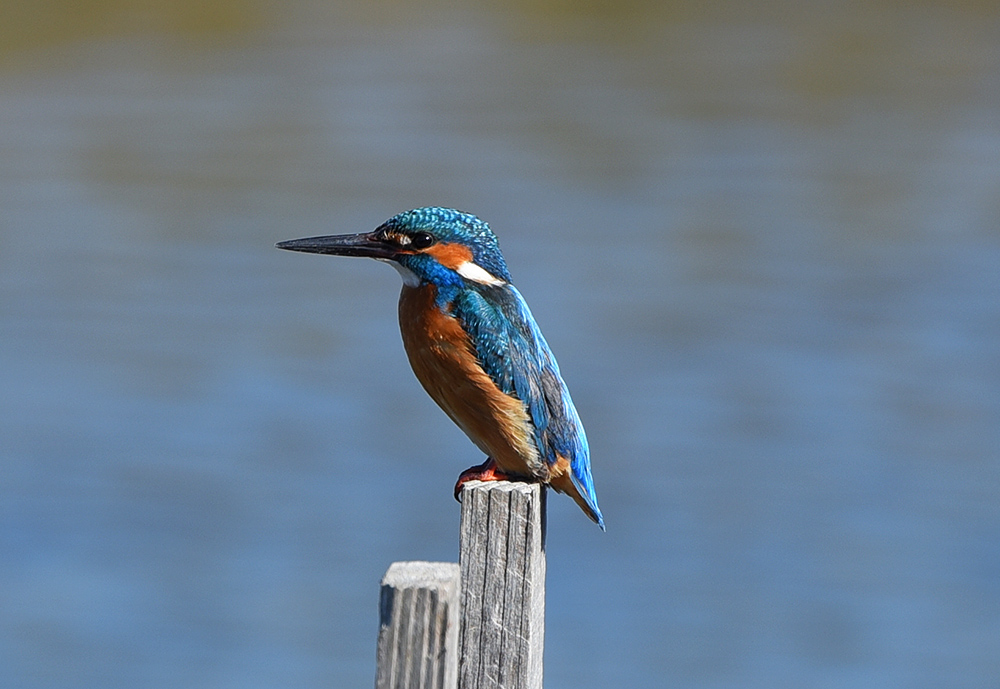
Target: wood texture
(502,557)
(418,626)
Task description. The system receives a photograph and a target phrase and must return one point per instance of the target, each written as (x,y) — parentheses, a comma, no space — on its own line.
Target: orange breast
(444,361)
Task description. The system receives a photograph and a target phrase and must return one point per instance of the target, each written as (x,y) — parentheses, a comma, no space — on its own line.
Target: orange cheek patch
(450,255)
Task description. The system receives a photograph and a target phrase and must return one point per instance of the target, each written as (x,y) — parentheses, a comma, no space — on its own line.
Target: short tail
(569,484)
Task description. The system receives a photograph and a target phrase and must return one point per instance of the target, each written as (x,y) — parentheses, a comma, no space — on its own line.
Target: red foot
(487,471)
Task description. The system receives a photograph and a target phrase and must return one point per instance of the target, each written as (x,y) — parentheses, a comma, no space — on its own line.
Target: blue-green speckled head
(448,226)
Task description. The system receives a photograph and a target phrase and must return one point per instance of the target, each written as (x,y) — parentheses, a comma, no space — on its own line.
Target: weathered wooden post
(502,556)
(418,626)
(498,642)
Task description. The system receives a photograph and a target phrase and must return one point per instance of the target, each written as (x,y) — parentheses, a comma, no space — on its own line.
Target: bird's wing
(511,349)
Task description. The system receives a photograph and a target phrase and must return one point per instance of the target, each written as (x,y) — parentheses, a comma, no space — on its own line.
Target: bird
(475,348)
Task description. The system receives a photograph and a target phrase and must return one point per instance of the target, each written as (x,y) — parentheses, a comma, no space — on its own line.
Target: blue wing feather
(514,353)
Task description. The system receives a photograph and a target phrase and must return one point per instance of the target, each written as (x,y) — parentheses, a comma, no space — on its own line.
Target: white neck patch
(410,278)
(474,272)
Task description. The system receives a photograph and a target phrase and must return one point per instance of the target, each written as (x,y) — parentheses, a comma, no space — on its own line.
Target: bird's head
(442,246)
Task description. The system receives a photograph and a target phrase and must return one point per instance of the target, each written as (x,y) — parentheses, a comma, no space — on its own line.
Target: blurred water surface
(763,241)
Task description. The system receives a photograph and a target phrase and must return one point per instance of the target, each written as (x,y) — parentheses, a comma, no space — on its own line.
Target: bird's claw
(487,471)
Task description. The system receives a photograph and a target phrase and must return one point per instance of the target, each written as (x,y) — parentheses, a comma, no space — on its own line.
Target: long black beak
(366,244)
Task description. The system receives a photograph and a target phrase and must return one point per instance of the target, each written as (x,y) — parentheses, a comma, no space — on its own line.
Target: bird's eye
(421,240)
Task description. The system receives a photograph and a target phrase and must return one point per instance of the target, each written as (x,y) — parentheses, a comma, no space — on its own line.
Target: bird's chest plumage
(444,360)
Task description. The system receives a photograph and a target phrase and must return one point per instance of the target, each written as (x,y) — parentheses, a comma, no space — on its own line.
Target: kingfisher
(476,349)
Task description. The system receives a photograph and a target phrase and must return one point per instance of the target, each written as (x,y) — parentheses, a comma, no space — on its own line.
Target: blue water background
(762,239)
